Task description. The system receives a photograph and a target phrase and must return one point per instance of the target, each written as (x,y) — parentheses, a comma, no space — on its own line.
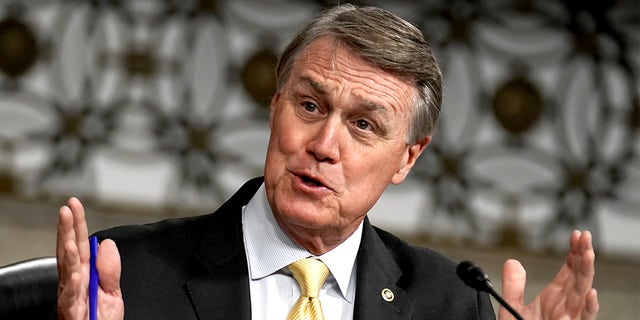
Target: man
(358,97)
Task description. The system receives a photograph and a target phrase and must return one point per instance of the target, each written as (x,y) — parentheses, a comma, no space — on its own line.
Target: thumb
(108,264)
(514,278)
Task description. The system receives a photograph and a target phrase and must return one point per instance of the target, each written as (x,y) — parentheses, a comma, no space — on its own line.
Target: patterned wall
(160,106)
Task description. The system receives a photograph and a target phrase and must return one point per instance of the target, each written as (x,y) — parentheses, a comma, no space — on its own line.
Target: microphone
(475,278)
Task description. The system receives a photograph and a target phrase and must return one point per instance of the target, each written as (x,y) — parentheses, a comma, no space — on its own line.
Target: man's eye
(363,124)
(309,106)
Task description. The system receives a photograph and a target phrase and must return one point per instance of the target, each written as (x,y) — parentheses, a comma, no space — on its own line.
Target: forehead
(328,65)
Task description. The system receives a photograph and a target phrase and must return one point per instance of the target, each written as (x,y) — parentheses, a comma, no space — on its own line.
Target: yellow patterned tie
(310,274)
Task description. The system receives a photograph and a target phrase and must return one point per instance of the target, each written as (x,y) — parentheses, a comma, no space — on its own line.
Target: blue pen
(93,279)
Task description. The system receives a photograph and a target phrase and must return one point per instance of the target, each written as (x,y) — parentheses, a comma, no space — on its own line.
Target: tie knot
(310,273)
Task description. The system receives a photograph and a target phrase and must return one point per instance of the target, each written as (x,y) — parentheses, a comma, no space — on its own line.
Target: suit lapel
(222,294)
(378,294)
(221,291)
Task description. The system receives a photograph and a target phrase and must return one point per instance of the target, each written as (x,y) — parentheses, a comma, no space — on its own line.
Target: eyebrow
(365,104)
(314,84)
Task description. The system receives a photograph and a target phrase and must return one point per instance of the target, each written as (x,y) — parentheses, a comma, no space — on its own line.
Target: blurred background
(153,109)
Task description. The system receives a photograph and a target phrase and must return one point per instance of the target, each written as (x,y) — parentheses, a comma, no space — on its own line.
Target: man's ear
(412,154)
(272,107)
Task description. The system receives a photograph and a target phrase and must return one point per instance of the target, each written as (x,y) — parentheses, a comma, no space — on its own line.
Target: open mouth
(311,182)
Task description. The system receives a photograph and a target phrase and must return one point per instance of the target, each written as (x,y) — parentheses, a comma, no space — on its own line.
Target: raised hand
(72,250)
(569,295)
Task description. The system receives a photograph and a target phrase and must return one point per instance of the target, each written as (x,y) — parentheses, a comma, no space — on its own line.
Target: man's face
(338,138)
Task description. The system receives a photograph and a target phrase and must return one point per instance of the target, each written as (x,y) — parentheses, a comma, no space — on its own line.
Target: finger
(66,249)
(514,278)
(80,228)
(581,260)
(72,287)
(574,241)
(585,244)
(588,256)
(584,271)
(70,265)
(592,307)
(577,277)
(108,264)
(67,305)
(70,250)
(65,223)
(575,250)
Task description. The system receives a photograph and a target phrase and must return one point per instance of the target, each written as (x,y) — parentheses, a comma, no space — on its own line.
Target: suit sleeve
(485,308)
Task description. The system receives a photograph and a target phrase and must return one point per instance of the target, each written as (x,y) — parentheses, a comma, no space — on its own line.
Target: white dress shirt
(269,251)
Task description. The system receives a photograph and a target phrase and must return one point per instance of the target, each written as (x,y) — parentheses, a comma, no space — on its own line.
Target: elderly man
(358,96)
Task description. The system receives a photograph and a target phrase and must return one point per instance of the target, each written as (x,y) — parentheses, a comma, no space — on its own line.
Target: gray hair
(388,42)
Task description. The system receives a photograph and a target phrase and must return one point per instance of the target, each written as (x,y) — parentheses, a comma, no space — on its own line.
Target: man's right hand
(72,251)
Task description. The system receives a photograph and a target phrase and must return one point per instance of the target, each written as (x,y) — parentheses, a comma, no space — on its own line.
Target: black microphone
(475,278)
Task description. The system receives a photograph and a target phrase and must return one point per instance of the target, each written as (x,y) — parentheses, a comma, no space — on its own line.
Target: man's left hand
(569,296)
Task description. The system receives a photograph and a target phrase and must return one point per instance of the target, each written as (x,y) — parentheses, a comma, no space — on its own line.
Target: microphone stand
(504,303)
(475,278)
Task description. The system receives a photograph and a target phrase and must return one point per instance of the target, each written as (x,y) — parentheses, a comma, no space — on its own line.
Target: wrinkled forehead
(327,66)
(329,55)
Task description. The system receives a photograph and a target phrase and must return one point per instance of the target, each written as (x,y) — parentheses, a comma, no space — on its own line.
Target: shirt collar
(269,249)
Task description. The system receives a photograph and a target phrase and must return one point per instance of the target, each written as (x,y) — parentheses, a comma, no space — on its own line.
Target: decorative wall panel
(161,106)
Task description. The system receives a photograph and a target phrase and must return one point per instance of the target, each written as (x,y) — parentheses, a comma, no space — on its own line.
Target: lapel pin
(387,294)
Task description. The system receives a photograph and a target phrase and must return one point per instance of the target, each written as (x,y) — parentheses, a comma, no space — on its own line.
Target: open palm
(569,295)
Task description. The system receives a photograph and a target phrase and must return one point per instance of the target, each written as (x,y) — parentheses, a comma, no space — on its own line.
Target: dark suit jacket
(196,268)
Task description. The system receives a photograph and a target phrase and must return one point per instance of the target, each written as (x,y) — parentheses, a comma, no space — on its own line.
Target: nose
(325,144)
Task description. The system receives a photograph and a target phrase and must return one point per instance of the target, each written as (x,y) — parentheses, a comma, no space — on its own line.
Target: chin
(307,215)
